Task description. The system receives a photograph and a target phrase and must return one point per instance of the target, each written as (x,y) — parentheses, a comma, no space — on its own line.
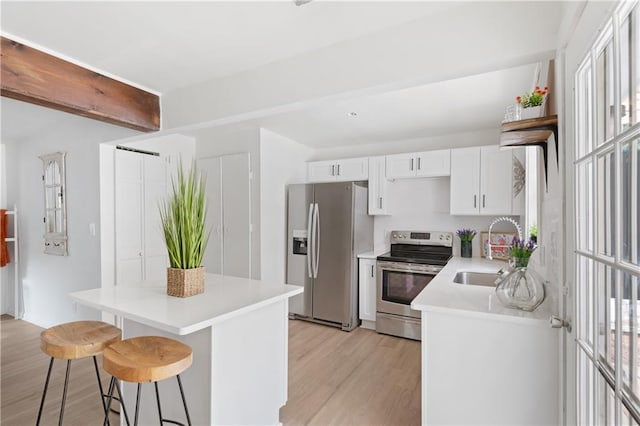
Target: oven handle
(406,267)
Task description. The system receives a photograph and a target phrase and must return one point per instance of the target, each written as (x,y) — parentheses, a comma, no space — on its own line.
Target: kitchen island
(483,363)
(238,330)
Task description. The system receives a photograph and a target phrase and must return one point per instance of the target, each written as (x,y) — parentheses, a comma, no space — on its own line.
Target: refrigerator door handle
(316,241)
(310,240)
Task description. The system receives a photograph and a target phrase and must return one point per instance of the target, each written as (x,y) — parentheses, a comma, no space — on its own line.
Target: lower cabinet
(367,292)
(488,371)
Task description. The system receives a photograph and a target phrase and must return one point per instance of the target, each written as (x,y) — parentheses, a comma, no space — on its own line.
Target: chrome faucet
(501,219)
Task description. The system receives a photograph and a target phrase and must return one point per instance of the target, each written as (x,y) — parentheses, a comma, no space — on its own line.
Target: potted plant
(466,237)
(183,223)
(531,103)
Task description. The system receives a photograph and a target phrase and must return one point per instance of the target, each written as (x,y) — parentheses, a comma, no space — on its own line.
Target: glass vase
(522,288)
(465,249)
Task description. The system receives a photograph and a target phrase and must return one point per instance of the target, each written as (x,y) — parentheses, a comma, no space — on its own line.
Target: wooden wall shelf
(532,132)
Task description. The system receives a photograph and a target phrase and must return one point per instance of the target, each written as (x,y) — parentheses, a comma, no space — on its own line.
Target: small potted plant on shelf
(183,223)
(466,237)
(531,103)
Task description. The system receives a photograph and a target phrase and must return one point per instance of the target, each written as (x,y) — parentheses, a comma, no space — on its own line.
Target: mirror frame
(55,234)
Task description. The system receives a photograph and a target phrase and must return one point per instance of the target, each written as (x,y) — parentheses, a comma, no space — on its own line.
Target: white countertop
(224,298)
(372,254)
(443,295)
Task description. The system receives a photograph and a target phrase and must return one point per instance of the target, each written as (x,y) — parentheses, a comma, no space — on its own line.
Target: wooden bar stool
(147,359)
(75,340)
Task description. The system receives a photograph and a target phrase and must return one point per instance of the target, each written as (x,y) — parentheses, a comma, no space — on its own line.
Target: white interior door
(236,201)
(155,257)
(213,254)
(129,217)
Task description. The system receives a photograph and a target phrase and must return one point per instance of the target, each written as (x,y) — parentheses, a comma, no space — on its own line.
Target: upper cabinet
(377,186)
(349,169)
(482,181)
(419,164)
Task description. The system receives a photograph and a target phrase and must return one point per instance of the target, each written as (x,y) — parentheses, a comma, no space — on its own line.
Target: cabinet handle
(483,203)
(475,204)
(412,164)
(419,163)
(333,170)
(338,169)
(372,271)
(380,202)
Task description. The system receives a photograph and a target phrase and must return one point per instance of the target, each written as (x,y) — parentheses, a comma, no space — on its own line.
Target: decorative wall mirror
(55,206)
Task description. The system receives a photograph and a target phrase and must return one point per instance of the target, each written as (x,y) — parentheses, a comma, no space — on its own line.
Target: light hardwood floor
(335,378)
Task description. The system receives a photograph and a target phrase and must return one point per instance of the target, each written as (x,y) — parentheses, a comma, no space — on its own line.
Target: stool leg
(64,392)
(184,400)
(44,392)
(158,401)
(122,406)
(95,364)
(107,407)
(135,420)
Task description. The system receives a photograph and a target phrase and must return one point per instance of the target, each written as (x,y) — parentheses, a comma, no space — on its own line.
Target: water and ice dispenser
(300,241)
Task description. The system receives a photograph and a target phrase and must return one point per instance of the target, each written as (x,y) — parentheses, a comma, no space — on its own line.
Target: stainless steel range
(415,258)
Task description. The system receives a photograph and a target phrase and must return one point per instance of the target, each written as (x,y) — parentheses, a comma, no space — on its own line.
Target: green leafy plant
(533,233)
(183,219)
(533,99)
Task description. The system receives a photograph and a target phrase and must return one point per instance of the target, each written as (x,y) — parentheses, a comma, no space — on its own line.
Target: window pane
(630,329)
(604,94)
(584,208)
(584,100)
(625,74)
(606,315)
(606,403)
(584,284)
(630,196)
(606,203)
(585,390)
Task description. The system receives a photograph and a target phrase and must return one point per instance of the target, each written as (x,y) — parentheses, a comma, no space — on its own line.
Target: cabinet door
(213,254)
(465,185)
(401,166)
(495,180)
(129,217)
(352,169)
(367,289)
(377,186)
(155,256)
(433,163)
(321,171)
(236,215)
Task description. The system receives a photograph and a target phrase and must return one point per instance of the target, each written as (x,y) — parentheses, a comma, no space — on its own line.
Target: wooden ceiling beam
(33,76)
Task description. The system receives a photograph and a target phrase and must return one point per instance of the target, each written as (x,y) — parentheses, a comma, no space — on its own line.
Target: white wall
(282,162)
(235,139)
(48,279)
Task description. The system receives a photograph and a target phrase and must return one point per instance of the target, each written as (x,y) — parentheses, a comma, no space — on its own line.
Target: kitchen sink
(476,278)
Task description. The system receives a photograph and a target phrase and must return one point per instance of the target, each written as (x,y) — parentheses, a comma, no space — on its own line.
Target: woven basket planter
(185,282)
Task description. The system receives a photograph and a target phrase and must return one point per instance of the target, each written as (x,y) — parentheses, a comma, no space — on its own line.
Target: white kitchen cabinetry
(419,164)
(228,190)
(345,170)
(367,292)
(378,186)
(488,371)
(481,181)
(140,185)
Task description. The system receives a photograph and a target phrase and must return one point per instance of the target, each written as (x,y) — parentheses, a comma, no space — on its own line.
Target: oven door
(398,284)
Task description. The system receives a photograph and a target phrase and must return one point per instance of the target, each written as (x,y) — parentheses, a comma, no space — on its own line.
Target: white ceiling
(162,45)
(165,45)
(452,106)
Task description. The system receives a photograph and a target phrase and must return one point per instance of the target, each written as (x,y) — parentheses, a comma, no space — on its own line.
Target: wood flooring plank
(335,378)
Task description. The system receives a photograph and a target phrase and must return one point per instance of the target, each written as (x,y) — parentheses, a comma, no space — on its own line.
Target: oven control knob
(448,237)
(441,237)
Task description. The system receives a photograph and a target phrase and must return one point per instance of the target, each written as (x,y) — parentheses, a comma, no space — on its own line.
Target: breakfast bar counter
(238,330)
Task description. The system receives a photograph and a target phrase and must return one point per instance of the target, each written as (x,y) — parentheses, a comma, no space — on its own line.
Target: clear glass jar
(522,288)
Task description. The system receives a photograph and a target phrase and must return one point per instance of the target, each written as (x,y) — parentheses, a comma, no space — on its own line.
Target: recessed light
(352,114)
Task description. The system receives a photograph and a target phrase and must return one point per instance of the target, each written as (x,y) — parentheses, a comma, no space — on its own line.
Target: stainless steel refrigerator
(328,226)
